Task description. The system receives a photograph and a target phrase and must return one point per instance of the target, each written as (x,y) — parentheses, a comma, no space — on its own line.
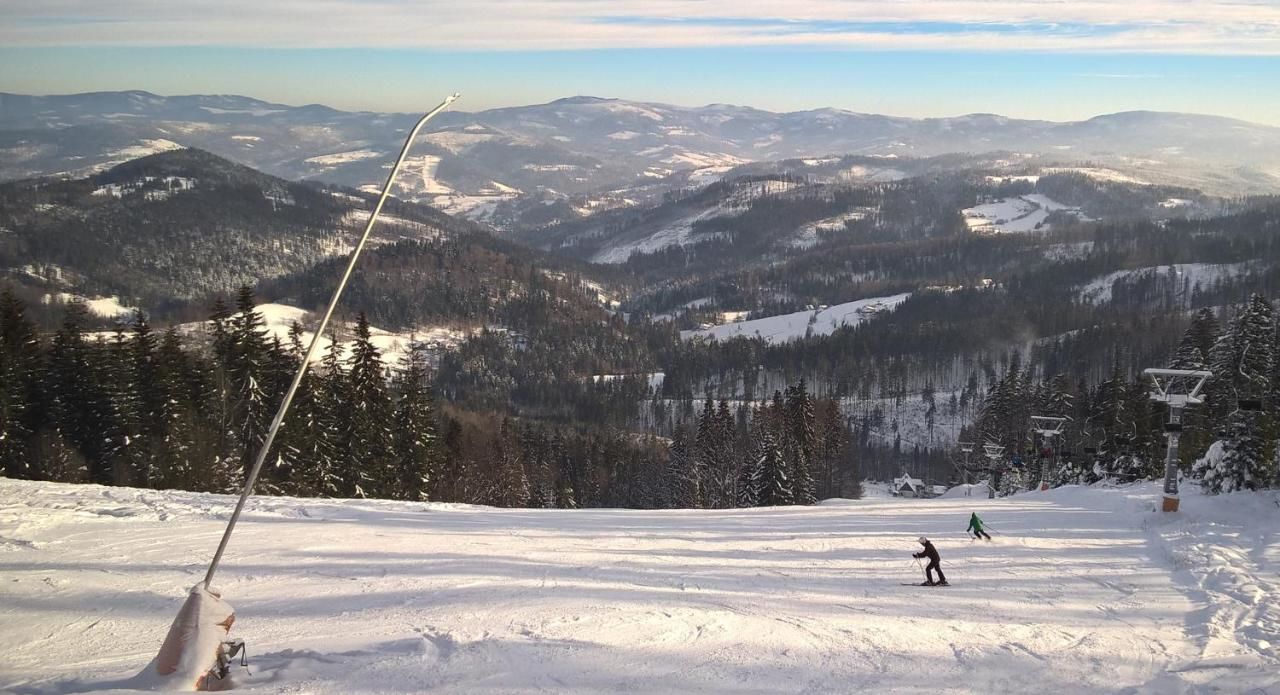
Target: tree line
(793,449)
(177,410)
(1114,429)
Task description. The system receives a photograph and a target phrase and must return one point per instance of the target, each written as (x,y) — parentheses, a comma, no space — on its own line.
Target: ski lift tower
(1048,427)
(993,452)
(966,448)
(1179,388)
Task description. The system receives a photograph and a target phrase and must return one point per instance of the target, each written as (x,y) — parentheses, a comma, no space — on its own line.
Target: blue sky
(1022,58)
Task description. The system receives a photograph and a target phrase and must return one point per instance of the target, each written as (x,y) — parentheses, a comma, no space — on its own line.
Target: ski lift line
(315,339)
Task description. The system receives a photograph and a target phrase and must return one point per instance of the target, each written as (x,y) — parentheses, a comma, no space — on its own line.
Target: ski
(919,584)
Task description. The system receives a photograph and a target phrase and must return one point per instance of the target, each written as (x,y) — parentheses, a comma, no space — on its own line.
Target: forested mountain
(472,162)
(182,225)
(652,353)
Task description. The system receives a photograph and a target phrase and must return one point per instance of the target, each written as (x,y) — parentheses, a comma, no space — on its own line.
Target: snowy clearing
(338,158)
(457,142)
(146,147)
(393,347)
(1190,275)
(678,232)
(787,327)
(1098,174)
(858,172)
(1018,215)
(1083,590)
(106,307)
(808,235)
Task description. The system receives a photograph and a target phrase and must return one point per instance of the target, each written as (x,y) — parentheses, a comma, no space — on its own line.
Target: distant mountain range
(178,226)
(472,162)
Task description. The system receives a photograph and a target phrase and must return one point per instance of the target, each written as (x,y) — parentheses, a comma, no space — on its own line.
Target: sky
(1024,58)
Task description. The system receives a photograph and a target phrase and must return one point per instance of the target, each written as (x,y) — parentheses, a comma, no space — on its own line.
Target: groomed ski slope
(1083,591)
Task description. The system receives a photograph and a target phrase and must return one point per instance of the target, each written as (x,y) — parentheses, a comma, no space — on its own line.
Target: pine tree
(322,399)
(226,469)
(143,406)
(538,467)
(368,450)
(705,455)
(682,479)
(175,451)
(566,498)
(1012,482)
(799,419)
(1117,427)
(720,470)
(512,481)
(78,406)
(831,441)
(19,370)
(751,477)
(116,374)
(1245,363)
(248,371)
(416,446)
(1198,340)
(775,487)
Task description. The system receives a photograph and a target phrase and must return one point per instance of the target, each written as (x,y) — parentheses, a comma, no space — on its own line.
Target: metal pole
(1173,432)
(1046,440)
(315,341)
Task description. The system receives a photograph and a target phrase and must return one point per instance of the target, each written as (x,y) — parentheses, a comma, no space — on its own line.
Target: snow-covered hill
(787,327)
(473,161)
(1083,590)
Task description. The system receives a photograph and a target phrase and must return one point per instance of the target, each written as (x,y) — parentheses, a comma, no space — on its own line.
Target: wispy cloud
(1240,27)
(1118,75)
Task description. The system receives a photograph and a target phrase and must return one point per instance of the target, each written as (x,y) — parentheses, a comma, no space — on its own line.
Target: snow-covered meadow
(1020,214)
(794,326)
(1083,590)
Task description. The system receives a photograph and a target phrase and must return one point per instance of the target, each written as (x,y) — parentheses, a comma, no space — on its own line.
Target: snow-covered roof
(907,481)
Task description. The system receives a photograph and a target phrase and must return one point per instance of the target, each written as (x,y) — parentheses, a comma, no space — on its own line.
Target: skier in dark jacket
(935,563)
(975,525)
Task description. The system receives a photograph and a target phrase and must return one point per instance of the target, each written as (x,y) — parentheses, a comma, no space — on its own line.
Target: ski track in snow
(1083,590)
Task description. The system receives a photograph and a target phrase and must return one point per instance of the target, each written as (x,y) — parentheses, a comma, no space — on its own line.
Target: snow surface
(874,174)
(1018,215)
(337,158)
(788,327)
(979,490)
(1097,173)
(679,232)
(1083,590)
(145,148)
(807,236)
(106,307)
(457,142)
(393,347)
(1098,290)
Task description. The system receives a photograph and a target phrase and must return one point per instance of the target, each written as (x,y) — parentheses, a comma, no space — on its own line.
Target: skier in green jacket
(975,525)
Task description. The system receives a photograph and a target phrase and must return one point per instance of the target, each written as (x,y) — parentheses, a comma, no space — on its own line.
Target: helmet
(922,540)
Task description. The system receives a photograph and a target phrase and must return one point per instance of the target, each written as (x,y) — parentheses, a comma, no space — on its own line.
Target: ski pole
(315,341)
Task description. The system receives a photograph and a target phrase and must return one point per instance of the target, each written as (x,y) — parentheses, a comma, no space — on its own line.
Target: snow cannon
(196,653)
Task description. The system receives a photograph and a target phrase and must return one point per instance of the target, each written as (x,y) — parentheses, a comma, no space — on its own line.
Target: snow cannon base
(1170,504)
(194,654)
